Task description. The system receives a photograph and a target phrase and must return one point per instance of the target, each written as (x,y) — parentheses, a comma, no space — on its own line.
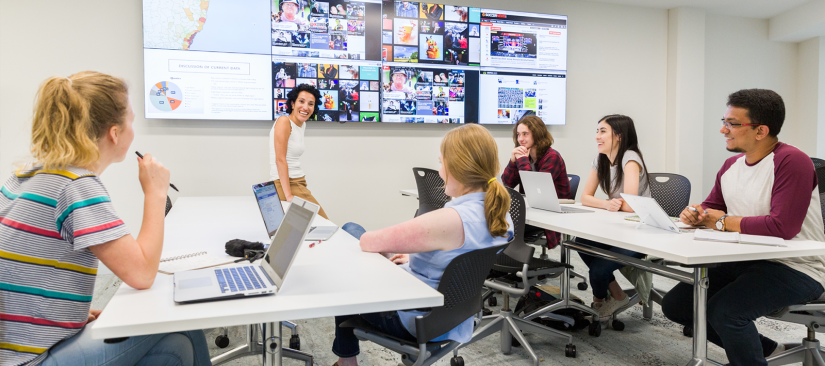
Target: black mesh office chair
(168,206)
(574,185)
(672,192)
(819,166)
(461,286)
(811,314)
(518,260)
(431,194)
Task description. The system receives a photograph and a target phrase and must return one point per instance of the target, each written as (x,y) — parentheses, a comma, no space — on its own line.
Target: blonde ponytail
(470,155)
(70,116)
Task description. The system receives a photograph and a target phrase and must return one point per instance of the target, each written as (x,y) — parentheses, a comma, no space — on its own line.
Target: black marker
(170,184)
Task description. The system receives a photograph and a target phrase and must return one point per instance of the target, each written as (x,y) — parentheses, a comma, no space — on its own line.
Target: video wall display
(509,96)
(424,94)
(430,33)
(349,91)
(326,29)
(372,61)
(517,39)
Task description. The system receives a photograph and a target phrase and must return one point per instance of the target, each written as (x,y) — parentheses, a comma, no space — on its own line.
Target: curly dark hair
(292,96)
(764,106)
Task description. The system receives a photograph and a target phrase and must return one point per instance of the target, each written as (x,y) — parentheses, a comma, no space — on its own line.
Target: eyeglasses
(729,125)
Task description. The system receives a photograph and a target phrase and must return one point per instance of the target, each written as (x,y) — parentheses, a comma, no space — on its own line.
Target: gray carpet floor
(653,342)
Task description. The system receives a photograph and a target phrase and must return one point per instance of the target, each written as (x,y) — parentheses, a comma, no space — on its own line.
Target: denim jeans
(601,270)
(346,344)
(354,229)
(738,294)
(170,349)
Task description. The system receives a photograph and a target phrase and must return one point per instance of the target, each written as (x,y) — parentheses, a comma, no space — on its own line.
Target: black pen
(170,184)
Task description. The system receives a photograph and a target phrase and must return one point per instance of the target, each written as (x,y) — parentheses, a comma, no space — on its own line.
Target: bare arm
(136,261)
(631,186)
(282,130)
(589,193)
(436,230)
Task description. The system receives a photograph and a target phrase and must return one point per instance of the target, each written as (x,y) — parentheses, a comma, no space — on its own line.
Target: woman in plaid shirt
(533,153)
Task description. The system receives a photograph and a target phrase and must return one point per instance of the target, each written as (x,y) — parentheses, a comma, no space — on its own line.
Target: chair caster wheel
(222,341)
(687,331)
(582,286)
(514,342)
(570,350)
(492,301)
(618,325)
(595,328)
(457,361)
(295,342)
(485,312)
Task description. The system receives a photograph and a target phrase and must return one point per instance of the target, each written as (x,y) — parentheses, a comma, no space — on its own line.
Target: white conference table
(333,278)
(611,228)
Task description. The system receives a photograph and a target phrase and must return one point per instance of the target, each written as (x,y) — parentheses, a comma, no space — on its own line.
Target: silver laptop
(271,210)
(264,277)
(650,213)
(541,192)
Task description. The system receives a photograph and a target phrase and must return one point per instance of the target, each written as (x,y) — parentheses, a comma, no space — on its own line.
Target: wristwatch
(720,224)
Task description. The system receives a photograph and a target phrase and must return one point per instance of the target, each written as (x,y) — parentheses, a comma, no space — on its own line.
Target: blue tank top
(429,266)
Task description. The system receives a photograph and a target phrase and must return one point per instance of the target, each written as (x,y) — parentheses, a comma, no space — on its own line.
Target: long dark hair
(623,127)
(292,96)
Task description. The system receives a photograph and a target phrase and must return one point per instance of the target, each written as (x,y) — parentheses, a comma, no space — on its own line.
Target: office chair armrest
(512,291)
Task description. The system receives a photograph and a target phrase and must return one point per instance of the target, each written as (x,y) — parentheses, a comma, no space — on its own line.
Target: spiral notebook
(186,262)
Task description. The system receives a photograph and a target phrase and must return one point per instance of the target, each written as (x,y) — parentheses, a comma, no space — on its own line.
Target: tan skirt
(298,186)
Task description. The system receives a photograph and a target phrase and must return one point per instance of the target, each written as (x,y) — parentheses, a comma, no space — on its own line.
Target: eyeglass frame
(728,125)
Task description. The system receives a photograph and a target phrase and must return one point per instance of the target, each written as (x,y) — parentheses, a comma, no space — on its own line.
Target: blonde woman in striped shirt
(57,221)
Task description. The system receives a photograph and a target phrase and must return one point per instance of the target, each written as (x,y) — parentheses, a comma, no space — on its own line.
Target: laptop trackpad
(195,283)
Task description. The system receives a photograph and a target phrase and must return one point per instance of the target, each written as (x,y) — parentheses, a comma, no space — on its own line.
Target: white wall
(740,56)
(618,58)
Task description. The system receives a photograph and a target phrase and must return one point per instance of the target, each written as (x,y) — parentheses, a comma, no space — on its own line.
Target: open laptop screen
(288,238)
(270,205)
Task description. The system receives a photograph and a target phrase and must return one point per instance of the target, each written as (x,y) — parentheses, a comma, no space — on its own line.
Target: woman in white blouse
(286,139)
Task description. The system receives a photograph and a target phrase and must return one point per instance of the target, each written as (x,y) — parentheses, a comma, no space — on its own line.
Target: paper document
(734,237)
(192,261)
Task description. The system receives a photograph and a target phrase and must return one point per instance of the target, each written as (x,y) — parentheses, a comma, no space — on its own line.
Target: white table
(611,228)
(332,278)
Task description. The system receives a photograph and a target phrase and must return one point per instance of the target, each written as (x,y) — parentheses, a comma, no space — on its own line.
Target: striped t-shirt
(48,220)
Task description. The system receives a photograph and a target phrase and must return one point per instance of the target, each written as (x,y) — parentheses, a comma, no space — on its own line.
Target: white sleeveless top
(294,150)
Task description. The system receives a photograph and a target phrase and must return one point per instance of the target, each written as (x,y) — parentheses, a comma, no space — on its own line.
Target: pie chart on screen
(166,96)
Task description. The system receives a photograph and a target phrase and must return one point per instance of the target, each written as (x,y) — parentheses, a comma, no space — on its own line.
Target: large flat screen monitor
(349,88)
(431,33)
(508,96)
(517,39)
(429,94)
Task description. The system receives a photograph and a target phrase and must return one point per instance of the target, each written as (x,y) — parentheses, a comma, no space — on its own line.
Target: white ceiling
(744,8)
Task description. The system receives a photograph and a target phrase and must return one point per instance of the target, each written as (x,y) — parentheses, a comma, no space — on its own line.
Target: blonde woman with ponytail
(477,217)
(57,221)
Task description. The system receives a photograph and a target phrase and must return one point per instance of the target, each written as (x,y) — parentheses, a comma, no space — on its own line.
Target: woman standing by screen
(286,145)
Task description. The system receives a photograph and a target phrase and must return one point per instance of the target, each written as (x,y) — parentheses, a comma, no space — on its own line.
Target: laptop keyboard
(239,279)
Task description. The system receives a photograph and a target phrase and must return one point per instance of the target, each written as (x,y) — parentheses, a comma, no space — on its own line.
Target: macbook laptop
(270,205)
(264,277)
(650,213)
(541,192)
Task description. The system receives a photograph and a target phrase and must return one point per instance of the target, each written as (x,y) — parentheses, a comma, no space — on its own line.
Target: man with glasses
(769,189)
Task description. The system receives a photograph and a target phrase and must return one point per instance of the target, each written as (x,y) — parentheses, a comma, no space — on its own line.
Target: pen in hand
(695,210)
(170,183)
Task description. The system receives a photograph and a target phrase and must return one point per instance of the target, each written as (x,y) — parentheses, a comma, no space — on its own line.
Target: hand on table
(614,205)
(400,258)
(93,315)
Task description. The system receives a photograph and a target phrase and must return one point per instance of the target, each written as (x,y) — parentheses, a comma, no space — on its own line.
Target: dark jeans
(738,294)
(601,270)
(346,344)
